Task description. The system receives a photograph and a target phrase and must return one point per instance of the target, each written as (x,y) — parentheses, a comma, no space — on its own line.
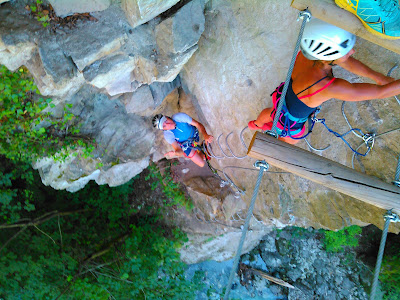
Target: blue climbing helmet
(324,41)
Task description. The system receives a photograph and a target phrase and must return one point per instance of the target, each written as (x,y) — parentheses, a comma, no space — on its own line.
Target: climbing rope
(374,137)
(263,168)
(306,16)
(389,217)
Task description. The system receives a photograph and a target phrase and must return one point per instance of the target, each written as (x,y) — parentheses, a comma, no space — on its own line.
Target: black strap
(312,85)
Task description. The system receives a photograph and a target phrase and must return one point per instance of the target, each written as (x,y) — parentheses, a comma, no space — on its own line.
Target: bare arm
(344,90)
(177,150)
(357,67)
(208,138)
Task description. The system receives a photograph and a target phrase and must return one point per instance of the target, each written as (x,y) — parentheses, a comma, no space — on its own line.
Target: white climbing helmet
(158,121)
(323,41)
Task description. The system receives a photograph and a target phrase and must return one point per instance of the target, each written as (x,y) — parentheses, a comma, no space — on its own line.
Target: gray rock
(322,286)
(101,38)
(148,97)
(122,173)
(55,62)
(65,8)
(17,44)
(160,90)
(319,264)
(139,101)
(114,73)
(268,244)
(331,295)
(141,11)
(301,292)
(182,31)
(121,138)
(347,284)
(283,246)
(365,276)
(271,259)
(294,274)
(63,86)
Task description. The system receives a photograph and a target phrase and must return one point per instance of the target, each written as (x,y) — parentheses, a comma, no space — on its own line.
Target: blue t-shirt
(183,130)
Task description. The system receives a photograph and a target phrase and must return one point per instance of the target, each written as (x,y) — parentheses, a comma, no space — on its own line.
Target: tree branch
(35,222)
(43,218)
(92,256)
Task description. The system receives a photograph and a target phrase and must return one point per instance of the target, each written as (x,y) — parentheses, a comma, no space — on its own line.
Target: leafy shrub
(14,200)
(390,276)
(93,248)
(27,129)
(40,12)
(173,191)
(335,241)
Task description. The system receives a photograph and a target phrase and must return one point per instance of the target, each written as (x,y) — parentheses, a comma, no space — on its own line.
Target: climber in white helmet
(182,132)
(312,83)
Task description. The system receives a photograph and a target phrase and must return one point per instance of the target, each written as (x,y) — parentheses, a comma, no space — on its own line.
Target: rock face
(121,69)
(65,8)
(239,62)
(88,64)
(212,229)
(185,27)
(141,11)
(296,255)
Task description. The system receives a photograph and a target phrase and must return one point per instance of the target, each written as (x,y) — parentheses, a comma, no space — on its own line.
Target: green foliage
(14,200)
(27,129)
(390,276)
(40,13)
(335,241)
(173,191)
(99,248)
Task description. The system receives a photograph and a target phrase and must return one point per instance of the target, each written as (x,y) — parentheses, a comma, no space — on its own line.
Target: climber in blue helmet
(182,132)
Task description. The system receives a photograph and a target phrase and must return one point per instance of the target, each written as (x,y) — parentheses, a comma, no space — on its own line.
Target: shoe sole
(350,9)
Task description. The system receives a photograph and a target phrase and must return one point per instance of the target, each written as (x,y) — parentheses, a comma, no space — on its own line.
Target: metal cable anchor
(304,13)
(261,163)
(391,216)
(271,133)
(369,140)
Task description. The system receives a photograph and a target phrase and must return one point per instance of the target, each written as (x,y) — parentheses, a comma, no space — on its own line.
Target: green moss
(336,241)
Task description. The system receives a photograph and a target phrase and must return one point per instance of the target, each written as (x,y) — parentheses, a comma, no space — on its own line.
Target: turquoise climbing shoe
(380,17)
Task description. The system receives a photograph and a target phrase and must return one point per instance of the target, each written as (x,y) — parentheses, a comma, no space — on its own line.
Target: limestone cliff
(217,60)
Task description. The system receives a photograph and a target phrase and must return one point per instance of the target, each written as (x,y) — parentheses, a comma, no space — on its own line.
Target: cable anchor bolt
(304,14)
(316,120)
(261,163)
(391,216)
(271,133)
(369,140)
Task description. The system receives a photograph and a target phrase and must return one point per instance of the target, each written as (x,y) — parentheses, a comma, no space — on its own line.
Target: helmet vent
(345,44)
(319,45)
(312,42)
(326,49)
(334,52)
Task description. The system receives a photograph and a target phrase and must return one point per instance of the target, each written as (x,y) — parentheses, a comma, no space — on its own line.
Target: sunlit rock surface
(230,55)
(65,8)
(243,54)
(141,11)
